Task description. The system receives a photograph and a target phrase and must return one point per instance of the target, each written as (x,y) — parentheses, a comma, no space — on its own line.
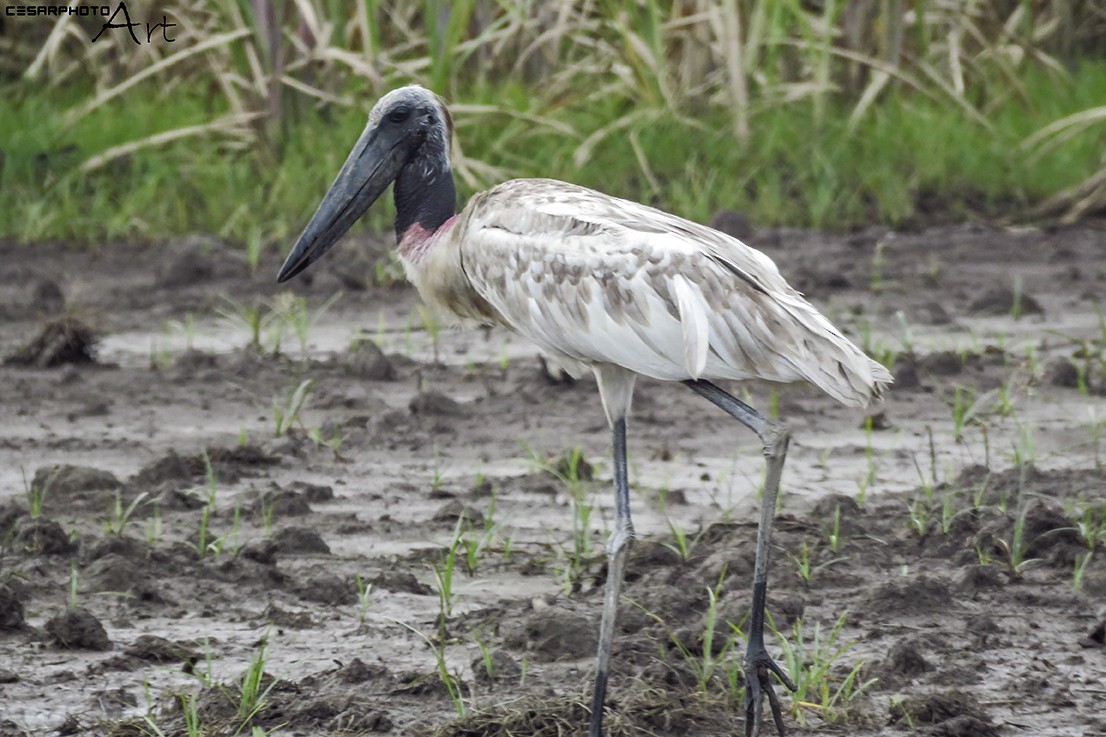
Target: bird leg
(758,663)
(618,547)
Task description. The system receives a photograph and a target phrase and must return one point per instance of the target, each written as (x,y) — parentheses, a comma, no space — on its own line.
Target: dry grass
(639,710)
(265,58)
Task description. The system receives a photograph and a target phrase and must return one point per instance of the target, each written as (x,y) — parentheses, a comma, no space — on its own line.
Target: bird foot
(758,684)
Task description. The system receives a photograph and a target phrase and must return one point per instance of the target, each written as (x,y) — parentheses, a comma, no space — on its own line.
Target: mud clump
(154,649)
(117,574)
(299,541)
(1097,636)
(78,629)
(43,537)
(62,486)
(647,555)
(176,472)
(218,705)
(977,578)
(358,671)
(1005,301)
(455,510)
(843,511)
(262,551)
(328,589)
(923,595)
(920,371)
(11,610)
(1063,373)
(130,548)
(497,665)
(10,514)
(400,581)
(314,493)
(554,634)
(1051,534)
(69,479)
(905,659)
(61,341)
(279,503)
(433,403)
(368,362)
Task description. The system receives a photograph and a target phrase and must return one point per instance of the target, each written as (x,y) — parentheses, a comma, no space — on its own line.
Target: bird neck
(424,194)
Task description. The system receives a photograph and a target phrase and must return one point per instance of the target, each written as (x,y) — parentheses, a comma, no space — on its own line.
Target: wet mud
(232,507)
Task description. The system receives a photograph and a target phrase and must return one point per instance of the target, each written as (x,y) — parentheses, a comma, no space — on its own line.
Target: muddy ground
(170,547)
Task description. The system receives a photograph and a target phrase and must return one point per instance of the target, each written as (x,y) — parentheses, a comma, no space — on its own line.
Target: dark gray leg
(758,663)
(617,549)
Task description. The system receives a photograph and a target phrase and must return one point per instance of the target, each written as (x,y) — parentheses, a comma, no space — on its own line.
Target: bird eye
(399,114)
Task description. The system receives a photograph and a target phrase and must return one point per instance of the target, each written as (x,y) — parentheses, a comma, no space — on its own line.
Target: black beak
(374,163)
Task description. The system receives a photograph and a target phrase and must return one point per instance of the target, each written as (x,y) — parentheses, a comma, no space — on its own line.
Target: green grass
(828,684)
(912,158)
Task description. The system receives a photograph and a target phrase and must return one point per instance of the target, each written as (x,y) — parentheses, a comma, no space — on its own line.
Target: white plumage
(595,279)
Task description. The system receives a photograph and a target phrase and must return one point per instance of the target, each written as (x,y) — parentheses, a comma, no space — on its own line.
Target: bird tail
(835,364)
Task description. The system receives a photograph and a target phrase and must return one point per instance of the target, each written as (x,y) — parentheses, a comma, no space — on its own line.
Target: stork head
(408,126)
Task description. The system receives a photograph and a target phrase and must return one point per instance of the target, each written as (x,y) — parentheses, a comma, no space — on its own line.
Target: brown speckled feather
(594,279)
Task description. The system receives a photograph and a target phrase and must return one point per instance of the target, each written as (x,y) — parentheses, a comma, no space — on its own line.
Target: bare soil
(179,538)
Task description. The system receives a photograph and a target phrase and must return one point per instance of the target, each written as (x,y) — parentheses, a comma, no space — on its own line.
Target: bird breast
(432,261)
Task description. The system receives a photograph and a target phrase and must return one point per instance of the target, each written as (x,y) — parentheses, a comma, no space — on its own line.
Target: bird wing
(599,279)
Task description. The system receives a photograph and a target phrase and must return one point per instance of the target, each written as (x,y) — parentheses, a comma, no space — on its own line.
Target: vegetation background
(830,113)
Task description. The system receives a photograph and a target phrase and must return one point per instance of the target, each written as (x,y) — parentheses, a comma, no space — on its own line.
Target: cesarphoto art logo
(116,19)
